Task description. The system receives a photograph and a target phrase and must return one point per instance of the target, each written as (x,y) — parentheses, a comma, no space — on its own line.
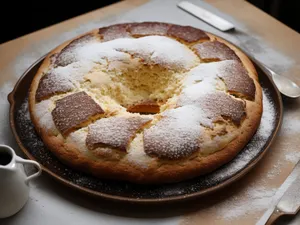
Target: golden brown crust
(214,51)
(187,33)
(148,28)
(74,110)
(114,31)
(144,107)
(159,170)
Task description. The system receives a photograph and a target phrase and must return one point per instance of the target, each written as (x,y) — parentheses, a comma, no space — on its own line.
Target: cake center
(140,89)
(139,74)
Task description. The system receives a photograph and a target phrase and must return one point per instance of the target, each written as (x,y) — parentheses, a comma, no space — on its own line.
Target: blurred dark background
(18,18)
(22,17)
(286,11)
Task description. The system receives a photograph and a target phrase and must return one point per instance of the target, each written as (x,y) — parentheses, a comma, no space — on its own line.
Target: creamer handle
(30,162)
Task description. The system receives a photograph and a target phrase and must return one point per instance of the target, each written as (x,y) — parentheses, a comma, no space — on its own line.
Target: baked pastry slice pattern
(146,102)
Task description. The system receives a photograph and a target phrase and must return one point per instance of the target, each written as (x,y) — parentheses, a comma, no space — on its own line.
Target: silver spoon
(285,85)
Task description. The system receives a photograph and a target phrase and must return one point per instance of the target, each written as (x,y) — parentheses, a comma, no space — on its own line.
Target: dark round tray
(33,147)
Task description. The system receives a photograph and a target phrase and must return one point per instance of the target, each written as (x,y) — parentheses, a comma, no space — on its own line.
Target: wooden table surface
(277,35)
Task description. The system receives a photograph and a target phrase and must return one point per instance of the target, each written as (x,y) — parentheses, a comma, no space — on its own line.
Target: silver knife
(206,16)
(289,202)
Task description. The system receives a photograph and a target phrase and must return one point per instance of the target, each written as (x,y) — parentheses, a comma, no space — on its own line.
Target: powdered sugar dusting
(52,83)
(176,134)
(136,154)
(114,131)
(43,108)
(67,55)
(203,79)
(152,49)
(293,157)
(200,81)
(78,139)
(254,199)
(103,52)
(275,170)
(268,117)
(74,72)
(43,113)
(200,88)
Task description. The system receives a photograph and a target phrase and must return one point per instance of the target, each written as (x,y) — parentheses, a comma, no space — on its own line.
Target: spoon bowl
(286,86)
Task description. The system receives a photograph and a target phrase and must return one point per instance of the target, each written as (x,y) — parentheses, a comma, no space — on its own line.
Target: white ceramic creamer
(14,183)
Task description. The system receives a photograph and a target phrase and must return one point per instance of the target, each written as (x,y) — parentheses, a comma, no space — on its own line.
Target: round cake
(146,102)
